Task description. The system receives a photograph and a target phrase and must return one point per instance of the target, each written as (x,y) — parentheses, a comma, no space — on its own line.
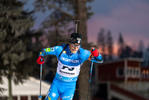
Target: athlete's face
(74,47)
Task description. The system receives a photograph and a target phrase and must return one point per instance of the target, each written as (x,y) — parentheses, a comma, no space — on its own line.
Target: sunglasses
(75,45)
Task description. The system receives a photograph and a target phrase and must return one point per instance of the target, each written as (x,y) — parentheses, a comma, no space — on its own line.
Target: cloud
(130,18)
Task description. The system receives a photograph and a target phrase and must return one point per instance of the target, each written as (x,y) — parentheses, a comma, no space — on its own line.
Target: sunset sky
(130,17)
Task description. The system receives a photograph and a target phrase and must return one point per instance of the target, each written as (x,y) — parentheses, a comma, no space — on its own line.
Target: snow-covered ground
(29,87)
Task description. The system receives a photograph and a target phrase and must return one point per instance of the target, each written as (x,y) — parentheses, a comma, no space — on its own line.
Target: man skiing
(70,58)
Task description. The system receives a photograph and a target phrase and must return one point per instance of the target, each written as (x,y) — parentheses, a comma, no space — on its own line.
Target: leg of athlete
(68,94)
(53,93)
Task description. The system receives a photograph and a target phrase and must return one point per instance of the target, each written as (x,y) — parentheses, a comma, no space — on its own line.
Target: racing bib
(68,71)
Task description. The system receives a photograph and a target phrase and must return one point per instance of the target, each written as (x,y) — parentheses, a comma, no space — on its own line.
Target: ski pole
(40,96)
(90,77)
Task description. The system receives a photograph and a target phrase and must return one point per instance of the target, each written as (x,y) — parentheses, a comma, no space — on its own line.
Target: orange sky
(115,49)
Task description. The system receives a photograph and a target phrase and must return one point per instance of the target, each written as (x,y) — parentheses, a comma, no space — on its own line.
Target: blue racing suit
(68,69)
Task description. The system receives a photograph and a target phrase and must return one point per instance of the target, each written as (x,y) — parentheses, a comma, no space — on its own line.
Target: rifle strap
(63,50)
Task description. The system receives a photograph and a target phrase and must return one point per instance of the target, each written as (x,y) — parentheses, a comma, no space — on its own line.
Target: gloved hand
(40,60)
(95,52)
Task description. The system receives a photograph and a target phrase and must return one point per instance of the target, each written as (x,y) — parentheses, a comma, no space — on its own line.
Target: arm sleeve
(86,55)
(51,51)
(96,59)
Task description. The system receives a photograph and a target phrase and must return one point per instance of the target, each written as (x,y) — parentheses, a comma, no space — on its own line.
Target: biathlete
(70,58)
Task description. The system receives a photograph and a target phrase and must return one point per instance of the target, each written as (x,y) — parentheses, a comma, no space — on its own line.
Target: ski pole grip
(95,52)
(40,60)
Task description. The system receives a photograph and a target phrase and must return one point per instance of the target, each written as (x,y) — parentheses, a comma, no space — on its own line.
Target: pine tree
(101,42)
(109,45)
(14,25)
(140,48)
(121,45)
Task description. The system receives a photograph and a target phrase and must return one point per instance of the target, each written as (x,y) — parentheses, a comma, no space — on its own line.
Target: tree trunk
(84,82)
(82,16)
(84,74)
(9,84)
